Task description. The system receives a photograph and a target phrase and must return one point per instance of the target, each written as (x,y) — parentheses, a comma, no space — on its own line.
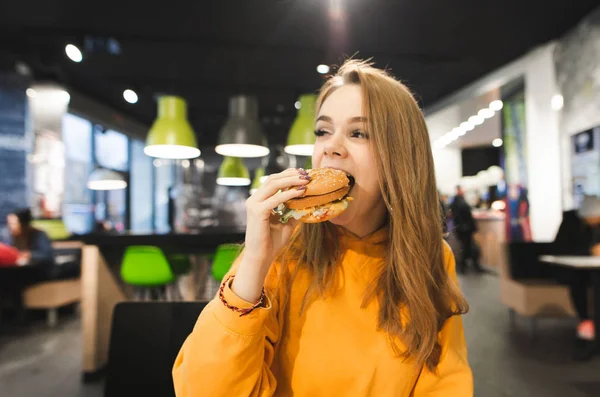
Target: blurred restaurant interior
(134,135)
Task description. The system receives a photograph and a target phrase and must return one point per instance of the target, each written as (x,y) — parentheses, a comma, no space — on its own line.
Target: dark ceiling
(207,51)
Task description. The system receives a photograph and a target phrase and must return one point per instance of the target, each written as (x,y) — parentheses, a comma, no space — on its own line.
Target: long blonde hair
(414,277)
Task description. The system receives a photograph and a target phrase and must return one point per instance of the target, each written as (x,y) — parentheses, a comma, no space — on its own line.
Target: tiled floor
(506,362)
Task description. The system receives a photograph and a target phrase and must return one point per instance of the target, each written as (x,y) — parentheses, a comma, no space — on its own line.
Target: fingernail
(305,177)
(302,171)
(301,187)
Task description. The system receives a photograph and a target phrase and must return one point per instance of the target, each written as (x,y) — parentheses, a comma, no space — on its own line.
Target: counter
(491,238)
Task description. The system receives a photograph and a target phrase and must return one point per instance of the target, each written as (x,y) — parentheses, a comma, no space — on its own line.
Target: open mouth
(351,179)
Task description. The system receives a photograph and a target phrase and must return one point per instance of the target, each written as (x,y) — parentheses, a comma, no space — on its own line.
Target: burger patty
(313,201)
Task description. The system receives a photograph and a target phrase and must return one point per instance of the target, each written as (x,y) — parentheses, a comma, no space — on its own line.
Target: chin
(344,219)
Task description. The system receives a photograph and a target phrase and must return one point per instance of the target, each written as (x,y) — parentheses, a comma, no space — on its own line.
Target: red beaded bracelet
(242,312)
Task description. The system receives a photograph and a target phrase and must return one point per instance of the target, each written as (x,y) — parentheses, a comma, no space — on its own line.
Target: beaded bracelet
(242,312)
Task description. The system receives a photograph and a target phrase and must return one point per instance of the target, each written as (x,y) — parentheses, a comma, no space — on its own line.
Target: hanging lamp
(259,178)
(233,172)
(103,179)
(242,134)
(301,139)
(275,162)
(171,136)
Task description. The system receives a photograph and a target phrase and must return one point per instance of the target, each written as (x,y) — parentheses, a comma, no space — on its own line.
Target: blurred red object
(8,255)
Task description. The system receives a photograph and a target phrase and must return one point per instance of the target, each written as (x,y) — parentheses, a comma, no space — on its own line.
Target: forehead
(343,103)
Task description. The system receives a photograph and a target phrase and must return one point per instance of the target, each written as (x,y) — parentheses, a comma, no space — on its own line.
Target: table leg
(596,290)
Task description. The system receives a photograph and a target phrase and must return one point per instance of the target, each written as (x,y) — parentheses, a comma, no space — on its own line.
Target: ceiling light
(31,93)
(323,69)
(459,131)
(171,135)
(486,113)
(242,134)
(557,102)
(497,142)
(103,179)
(297,105)
(476,120)
(301,138)
(130,96)
(233,172)
(496,105)
(467,126)
(259,178)
(73,53)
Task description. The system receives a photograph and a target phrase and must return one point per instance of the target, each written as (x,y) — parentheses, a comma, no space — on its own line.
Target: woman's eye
(359,134)
(320,132)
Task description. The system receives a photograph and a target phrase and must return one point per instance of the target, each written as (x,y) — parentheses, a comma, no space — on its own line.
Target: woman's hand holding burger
(265,234)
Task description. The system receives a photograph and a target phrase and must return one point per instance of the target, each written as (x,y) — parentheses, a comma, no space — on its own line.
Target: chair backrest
(224,258)
(524,262)
(54,228)
(145,265)
(144,342)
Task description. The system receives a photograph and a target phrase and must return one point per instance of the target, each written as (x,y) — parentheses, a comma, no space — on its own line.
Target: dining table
(590,264)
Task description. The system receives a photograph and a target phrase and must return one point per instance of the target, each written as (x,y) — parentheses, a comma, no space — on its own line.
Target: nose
(335,146)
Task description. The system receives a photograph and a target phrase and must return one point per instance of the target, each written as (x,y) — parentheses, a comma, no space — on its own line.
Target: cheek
(316,157)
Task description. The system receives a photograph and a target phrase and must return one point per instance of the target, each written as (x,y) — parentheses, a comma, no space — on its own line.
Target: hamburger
(325,197)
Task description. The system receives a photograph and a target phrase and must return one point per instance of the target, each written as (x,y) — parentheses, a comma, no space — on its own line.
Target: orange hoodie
(332,349)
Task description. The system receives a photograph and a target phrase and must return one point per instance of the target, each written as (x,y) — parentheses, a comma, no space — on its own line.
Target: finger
(286,173)
(271,187)
(282,197)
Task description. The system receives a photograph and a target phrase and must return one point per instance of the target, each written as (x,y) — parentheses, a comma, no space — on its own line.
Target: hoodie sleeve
(453,376)
(229,355)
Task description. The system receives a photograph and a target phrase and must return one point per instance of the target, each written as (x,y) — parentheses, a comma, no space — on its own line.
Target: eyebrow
(357,119)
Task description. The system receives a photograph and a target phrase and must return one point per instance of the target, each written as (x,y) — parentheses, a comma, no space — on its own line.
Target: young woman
(34,245)
(366,304)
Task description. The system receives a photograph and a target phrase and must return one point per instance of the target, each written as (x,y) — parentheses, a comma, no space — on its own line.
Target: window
(77,205)
(112,150)
(141,189)
(165,179)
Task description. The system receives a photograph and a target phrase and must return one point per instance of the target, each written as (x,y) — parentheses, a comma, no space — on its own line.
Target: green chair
(54,228)
(146,268)
(180,264)
(224,258)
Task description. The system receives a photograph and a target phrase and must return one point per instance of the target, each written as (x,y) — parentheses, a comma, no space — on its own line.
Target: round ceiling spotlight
(130,96)
(486,113)
(557,102)
(73,53)
(323,69)
(496,105)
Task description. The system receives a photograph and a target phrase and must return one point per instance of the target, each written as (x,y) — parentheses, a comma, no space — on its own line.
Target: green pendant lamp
(259,178)
(242,134)
(171,136)
(308,164)
(233,172)
(301,139)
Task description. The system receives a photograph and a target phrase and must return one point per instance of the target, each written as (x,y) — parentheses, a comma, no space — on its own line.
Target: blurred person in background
(33,244)
(464,228)
(579,234)
(35,253)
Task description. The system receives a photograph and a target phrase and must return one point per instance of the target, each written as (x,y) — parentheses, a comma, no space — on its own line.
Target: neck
(367,225)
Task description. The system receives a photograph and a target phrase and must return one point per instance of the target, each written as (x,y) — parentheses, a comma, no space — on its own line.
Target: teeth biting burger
(326,197)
